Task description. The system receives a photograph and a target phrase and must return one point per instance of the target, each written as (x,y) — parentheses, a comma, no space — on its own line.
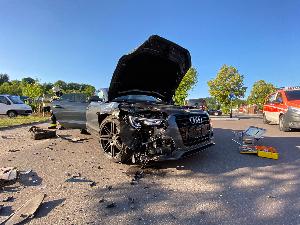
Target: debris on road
(247,140)
(131,202)
(7,199)
(261,151)
(74,140)
(249,136)
(8,176)
(271,196)
(13,150)
(26,211)
(38,133)
(267,152)
(78,179)
(111,205)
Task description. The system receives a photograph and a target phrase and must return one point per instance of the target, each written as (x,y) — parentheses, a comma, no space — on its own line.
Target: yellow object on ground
(261,151)
(267,152)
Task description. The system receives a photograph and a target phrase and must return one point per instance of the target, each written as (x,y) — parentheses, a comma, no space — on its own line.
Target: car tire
(110,141)
(282,124)
(265,121)
(12,114)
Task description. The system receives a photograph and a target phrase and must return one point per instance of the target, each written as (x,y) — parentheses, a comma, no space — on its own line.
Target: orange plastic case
(261,151)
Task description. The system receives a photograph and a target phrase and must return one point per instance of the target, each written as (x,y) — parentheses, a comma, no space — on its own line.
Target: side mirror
(8,103)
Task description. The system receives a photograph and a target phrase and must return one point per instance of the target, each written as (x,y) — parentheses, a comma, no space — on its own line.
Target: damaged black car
(136,120)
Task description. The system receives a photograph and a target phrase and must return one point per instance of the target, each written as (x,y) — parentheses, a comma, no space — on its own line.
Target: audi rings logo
(195,119)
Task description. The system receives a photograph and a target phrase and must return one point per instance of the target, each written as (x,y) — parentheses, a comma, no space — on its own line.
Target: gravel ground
(218,186)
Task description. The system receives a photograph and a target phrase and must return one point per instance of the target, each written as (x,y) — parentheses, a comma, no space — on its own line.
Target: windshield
(293,95)
(15,99)
(137,98)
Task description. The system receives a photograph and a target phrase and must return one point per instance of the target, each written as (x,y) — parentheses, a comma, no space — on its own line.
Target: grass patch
(7,122)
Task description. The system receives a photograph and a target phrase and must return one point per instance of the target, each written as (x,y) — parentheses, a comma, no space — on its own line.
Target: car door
(70,110)
(269,108)
(92,115)
(4,105)
(279,107)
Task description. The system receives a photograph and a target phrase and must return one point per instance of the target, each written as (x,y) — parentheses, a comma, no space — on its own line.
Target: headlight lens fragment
(136,122)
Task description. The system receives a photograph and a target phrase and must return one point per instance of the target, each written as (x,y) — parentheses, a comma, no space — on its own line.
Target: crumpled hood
(155,68)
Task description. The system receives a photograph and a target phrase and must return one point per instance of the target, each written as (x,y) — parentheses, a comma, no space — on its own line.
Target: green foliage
(7,122)
(89,90)
(228,80)
(61,84)
(3,78)
(47,88)
(32,90)
(187,83)
(260,90)
(212,103)
(239,102)
(13,88)
(28,80)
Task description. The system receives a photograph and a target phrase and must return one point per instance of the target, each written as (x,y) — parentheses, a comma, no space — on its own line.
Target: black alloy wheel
(282,124)
(110,141)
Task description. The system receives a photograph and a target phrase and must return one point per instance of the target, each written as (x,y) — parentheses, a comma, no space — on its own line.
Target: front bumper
(181,147)
(292,119)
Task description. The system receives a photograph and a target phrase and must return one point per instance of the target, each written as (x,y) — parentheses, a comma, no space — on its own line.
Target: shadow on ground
(219,186)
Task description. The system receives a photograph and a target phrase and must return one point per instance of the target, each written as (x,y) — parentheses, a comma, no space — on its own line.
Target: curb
(227,119)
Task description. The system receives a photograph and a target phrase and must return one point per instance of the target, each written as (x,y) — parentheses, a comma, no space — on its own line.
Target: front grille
(28,111)
(193,130)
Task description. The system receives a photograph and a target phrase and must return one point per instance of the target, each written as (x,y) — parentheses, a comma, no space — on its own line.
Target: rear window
(293,95)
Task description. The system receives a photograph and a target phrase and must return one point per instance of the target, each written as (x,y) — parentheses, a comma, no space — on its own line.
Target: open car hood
(155,68)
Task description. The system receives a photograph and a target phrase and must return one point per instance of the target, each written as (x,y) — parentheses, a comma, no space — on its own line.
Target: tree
(187,83)
(11,88)
(227,82)
(47,88)
(260,90)
(28,80)
(61,84)
(89,90)
(3,78)
(32,90)
(212,103)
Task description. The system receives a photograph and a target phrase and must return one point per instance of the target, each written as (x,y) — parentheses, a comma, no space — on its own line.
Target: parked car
(198,103)
(215,112)
(283,108)
(136,120)
(12,106)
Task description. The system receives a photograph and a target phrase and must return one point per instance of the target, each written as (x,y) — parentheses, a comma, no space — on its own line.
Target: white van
(12,106)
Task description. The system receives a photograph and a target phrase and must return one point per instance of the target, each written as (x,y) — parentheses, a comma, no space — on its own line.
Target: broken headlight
(137,122)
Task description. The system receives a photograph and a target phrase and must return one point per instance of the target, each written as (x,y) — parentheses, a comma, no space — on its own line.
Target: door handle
(57,107)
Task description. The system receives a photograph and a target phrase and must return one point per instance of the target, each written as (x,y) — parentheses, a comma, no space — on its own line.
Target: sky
(82,40)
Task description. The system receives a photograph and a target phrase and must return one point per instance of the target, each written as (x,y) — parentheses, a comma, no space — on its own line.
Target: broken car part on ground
(136,120)
(248,139)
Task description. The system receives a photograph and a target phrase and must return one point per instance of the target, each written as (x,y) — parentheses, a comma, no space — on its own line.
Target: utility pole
(231,96)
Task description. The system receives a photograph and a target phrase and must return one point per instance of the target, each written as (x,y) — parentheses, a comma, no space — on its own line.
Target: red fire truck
(283,108)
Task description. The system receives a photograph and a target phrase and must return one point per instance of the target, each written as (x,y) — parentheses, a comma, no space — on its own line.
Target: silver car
(135,120)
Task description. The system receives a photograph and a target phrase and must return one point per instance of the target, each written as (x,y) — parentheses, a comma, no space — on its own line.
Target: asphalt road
(218,186)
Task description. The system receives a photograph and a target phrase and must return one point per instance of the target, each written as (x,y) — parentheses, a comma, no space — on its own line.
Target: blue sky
(81,41)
